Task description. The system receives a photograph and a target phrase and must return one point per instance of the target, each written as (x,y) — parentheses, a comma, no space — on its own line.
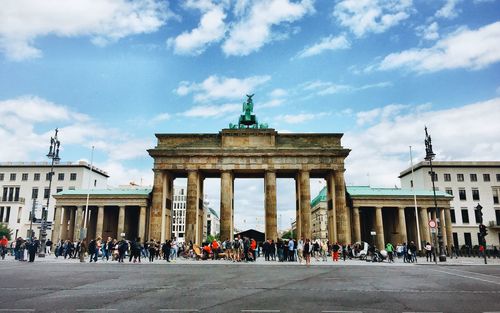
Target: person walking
(165,249)
(390,251)
(48,246)
(33,249)
(428,252)
(300,250)
(93,251)
(291,253)
(307,252)
(4,242)
(335,250)
(122,248)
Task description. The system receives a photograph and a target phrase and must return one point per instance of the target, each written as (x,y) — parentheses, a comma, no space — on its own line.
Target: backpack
(236,244)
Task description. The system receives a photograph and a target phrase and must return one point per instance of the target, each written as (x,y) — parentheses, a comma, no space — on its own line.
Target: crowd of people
(241,249)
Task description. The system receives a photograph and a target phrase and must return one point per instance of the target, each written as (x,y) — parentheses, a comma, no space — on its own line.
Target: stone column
(142,223)
(356,224)
(424,225)
(379,228)
(156,218)
(72,223)
(402,225)
(442,224)
(64,226)
(192,206)
(298,211)
(271,214)
(100,221)
(342,214)
(330,213)
(56,232)
(449,232)
(226,203)
(78,223)
(121,222)
(168,197)
(201,213)
(305,204)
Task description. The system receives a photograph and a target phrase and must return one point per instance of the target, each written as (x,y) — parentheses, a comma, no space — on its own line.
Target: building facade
(213,222)
(470,183)
(25,185)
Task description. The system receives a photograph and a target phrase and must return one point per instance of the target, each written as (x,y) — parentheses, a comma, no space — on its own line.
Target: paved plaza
(51,285)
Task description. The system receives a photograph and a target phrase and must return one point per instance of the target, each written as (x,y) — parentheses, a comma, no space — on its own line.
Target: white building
(471,183)
(179,214)
(213,222)
(26,183)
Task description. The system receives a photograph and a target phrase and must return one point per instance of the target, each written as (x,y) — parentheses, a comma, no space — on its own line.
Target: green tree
(287,235)
(5,231)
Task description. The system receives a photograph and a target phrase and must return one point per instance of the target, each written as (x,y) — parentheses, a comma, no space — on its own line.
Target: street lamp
(429,156)
(54,156)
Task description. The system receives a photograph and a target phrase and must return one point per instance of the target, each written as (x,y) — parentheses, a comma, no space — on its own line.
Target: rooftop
(107,192)
(60,164)
(360,191)
(451,164)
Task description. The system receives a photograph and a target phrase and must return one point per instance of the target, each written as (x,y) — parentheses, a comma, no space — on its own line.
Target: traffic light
(483,230)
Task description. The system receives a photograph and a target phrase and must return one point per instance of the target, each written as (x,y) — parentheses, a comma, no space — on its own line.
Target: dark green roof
(360,191)
(213,212)
(106,192)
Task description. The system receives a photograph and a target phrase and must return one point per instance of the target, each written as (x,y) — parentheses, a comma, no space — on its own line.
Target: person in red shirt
(253,247)
(215,249)
(3,246)
(206,251)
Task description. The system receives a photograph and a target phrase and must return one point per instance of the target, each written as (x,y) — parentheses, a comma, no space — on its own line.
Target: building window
(461,194)
(465,216)
(24,177)
(2,176)
(497,215)
(473,177)
(19,214)
(34,193)
(7,215)
(72,176)
(475,194)
(447,177)
(498,177)
(477,217)
(59,189)
(12,176)
(460,177)
(486,177)
(46,193)
(47,176)
(495,195)
(455,240)
(60,176)
(36,177)
(453,218)
(449,191)
(434,176)
(468,240)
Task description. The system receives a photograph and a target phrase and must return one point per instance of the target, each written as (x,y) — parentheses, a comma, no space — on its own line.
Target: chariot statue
(247,119)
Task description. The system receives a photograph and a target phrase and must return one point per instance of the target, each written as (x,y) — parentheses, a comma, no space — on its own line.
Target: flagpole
(415,202)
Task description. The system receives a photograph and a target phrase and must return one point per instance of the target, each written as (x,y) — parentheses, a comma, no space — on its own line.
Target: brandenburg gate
(248,150)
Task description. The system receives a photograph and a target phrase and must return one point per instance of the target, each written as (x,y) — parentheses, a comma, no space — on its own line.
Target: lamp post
(53,155)
(429,156)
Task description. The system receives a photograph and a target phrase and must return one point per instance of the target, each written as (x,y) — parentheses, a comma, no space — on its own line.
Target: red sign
(432,224)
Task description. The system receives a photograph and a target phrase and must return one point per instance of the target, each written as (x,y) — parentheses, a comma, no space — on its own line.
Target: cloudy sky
(111,73)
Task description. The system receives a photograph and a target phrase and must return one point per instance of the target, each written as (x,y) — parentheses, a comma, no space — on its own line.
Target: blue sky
(112,73)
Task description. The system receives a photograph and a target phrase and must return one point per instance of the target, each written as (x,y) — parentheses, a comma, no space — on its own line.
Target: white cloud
(299,118)
(161,117)
(429,32)
(254,28)
(215,87)
(375,16)
(322,88)
(471,49)
(23,21)
(449,9)
(367,117)
(25,135)
(212,110)
(327,43)
(382,149)
(210,29)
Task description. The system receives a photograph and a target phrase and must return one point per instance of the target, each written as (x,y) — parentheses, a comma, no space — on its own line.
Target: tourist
(3,246)
(300,249)
(307,252)
(291,252)
(428,252)
(253,247)
(33,245)
(165,249)
(266,247)
(173,249)
(122,248)
(390,249)
(236,249)
(335,250)
(48,246)
(413,249)
(215,249)
(272,249)
(93,251)
(324,251)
